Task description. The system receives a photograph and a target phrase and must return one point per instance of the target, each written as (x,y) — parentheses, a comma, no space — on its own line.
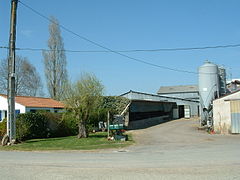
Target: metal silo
(208,90)
(222,80)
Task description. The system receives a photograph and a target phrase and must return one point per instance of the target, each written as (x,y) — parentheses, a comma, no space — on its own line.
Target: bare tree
(28,81)
(55,61)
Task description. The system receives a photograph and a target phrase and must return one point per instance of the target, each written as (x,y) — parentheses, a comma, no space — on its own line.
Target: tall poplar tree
(55,61)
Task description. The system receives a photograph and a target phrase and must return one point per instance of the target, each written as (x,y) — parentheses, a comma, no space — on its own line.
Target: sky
(128,25)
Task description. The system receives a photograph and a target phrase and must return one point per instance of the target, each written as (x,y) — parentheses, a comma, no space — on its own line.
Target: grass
(93,142)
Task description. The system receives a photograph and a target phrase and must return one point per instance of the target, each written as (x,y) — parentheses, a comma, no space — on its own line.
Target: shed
(226,113)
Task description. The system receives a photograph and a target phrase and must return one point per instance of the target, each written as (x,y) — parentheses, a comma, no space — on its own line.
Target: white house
(25,104)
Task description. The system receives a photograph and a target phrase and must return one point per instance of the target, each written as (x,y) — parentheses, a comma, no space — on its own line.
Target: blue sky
(124,25)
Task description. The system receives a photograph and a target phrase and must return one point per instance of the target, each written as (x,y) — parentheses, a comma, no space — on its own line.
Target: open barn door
(187,112)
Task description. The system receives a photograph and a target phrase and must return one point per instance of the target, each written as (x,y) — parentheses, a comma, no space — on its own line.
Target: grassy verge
(95,141)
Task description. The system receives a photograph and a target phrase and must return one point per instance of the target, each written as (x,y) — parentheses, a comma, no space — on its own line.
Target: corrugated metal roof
(29,101)
(157,96)
(177,89)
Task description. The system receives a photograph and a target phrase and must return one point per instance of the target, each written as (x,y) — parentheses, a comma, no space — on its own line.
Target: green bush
(94,118)
(70,123)
(32,125)
(113,104)
(45,124)
(60,125)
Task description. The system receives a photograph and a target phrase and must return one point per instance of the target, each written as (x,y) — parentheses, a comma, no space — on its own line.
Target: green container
(116,126)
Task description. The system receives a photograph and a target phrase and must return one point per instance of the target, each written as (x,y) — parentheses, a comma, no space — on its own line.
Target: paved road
(173,150)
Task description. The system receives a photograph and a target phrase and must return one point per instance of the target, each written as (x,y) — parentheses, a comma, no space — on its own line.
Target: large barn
(184,107)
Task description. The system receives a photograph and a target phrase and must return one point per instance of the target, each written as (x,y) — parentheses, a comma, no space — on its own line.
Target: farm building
(25,104)
(226,113)
(142,113)
(184,107)
(189,92)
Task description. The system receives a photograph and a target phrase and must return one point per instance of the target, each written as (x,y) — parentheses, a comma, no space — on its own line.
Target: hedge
(42,125)
(32,125)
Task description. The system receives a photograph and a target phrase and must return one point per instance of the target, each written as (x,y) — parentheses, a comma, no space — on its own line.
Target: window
(17,111)
(5,114)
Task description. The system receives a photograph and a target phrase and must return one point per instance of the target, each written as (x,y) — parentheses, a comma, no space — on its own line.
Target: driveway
(173,150)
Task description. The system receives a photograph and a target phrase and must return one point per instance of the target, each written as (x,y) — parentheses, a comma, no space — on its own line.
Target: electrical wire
(40,49)
(132,50)
(117,52)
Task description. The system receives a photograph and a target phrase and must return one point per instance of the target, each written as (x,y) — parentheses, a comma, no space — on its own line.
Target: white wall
(4,107)
(221,116)
(222,113)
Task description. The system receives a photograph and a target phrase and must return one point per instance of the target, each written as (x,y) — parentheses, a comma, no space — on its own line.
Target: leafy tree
(28,81)
(55,61)
(82,99)
(115,104)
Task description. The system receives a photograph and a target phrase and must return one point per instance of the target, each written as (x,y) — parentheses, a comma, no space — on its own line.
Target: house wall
(4,107)
(221,116)
(20,108)
(222,113)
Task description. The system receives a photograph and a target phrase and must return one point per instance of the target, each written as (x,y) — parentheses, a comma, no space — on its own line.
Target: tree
(82,99)
(115,104)
(55,61)
(28,81)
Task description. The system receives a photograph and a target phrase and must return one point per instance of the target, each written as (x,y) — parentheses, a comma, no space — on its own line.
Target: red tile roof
(29,101)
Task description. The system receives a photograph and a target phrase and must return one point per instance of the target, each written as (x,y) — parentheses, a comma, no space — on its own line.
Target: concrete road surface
(173,150)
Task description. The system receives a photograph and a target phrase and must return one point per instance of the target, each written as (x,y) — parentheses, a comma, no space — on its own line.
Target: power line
(40,49)
(132,50)
(108,49)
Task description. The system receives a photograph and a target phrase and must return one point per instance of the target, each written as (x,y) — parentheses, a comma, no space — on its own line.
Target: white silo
(208,90)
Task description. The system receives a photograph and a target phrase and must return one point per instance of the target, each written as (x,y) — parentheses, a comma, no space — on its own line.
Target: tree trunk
(82,130)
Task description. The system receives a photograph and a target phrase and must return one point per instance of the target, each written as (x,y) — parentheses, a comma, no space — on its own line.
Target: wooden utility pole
(108,123)
(11,120)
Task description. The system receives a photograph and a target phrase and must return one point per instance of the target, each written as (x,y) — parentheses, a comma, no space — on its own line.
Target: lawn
(93,142)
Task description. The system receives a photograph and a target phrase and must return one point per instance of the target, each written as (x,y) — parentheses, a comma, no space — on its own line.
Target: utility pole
(11,121)
(108,123)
